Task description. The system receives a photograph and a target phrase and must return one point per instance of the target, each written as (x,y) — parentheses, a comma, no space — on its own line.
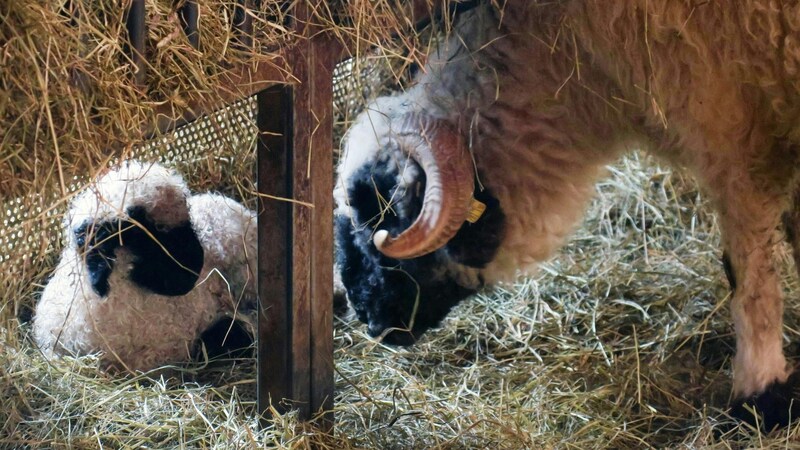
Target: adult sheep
(147,270)
(522,107)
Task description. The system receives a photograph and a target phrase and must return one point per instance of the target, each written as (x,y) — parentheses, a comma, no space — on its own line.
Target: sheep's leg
(749,218)
(791,225)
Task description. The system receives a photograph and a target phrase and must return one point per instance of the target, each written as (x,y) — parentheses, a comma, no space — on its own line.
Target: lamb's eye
(80,233)
(80,239)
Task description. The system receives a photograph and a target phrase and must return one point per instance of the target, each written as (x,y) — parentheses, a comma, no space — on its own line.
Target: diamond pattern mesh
(216,152)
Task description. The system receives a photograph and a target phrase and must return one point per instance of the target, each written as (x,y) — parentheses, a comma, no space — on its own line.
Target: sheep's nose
(375,329)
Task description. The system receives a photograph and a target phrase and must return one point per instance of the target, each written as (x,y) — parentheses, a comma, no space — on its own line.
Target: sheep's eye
(80,233)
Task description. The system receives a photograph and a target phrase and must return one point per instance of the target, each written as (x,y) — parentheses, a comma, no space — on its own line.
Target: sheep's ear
(166,262)
(476,244)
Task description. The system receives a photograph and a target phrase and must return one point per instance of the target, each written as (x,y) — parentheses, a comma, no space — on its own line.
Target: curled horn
(445,159)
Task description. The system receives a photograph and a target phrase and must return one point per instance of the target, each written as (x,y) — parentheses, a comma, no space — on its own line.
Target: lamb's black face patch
(404,298)
(165,262)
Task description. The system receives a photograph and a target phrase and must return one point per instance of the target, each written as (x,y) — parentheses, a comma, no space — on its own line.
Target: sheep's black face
(173,272)
(401,299)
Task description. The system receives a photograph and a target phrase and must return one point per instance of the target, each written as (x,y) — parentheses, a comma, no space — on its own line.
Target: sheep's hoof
(777,406)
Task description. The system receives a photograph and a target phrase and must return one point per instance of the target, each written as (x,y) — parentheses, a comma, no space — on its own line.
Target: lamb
(517,112)
(146,270)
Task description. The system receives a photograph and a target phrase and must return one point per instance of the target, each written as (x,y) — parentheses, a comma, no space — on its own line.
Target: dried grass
(622,341)
(69,106)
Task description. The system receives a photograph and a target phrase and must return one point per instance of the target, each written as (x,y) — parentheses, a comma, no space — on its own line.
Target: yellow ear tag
(476,210)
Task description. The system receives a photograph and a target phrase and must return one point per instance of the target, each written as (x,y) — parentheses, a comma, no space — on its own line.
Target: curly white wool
(132,328)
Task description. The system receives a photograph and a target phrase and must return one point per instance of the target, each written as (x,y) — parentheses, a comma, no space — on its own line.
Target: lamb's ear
(166,262)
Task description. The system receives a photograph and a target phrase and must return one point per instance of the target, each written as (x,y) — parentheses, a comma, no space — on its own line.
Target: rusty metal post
(189,14)
(136,39)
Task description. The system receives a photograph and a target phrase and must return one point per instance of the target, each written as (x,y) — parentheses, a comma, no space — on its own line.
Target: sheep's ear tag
(476,210)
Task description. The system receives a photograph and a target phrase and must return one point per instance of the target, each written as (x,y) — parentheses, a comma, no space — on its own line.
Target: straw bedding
(622,341)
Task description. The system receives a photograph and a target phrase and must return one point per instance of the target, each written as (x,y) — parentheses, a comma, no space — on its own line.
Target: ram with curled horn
(546,94)
(440,151)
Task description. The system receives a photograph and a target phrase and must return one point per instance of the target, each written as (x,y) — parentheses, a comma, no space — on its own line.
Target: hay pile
(70,104)
(68,99)
(622,341)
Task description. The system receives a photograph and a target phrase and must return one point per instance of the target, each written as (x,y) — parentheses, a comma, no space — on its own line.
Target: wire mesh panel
(215,152)
(356,81)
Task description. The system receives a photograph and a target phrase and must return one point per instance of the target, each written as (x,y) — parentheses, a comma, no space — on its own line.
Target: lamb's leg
(750,215)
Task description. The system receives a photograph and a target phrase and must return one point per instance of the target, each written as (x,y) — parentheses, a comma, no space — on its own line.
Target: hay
(68,100)
(70,107)
(623,341)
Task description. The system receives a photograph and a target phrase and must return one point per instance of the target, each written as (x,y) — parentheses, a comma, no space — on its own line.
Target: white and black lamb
(146,270)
